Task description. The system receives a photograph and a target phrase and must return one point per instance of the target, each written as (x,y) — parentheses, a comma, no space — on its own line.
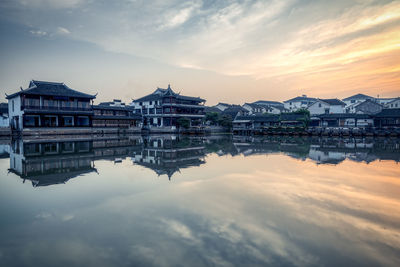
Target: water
(216,201)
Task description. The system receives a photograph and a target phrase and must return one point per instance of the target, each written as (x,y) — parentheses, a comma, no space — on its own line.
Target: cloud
(38,33)
(51,3)
(62,30)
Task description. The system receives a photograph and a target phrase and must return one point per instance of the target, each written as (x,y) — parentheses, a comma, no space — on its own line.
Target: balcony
(54,108)
(57,108)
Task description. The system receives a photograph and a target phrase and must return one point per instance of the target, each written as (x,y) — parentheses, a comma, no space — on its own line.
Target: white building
(254,108)
(222,106)
(384,101)
(326,106)
(354,99)
(395,103)
(299,103)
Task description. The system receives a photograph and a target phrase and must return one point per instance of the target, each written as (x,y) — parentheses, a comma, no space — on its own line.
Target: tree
(183,122)
(225,121)
(212,117)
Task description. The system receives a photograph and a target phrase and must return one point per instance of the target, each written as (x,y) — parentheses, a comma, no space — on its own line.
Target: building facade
(299,102)
(49,104)
(115,115)
(164,108)
(326,106)
(354,99)
(395,103)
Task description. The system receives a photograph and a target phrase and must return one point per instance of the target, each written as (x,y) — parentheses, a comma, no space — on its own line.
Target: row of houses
(51,105)
(359,104)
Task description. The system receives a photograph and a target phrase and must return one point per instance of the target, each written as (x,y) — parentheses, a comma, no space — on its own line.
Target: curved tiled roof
(161,92)
(50,89)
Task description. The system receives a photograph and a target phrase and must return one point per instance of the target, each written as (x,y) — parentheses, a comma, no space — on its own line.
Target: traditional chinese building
(164,108)
(49,105)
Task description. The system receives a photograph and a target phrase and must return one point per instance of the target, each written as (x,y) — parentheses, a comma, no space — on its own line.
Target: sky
(223,51)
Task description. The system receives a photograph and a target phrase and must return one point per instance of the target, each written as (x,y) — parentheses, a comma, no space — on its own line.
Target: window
(68,121)
(319,105)
(31,121)
(12,104)
(32,102)
(50,103)
(83,105)
(353,101)
(50,121)
(138,111)
(82,121)
(151,110)
(151,102)
(140,104)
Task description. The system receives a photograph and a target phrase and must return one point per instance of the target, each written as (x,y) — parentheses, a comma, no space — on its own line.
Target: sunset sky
(224,51)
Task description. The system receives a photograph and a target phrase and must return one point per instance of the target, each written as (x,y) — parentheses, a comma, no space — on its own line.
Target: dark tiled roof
(291,117)
(395,99)
(225,104)
(234,110)
(268,103)
(160,92)
(106,107)
(253,105)
(357,96)
(344,116)
(301,98)
(333,102)
(259,118)
(367,102)
(389,113)
(211,109)
(50,89)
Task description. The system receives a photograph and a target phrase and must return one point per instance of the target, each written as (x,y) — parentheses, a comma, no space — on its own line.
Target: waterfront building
(242,124)
(354,99)
(115,115)
(164,107)
(269,103)
(298,103)
(49,104)
(366,107)
(254,108)
(347,120)
(326,106)
(387,118)
(395,103)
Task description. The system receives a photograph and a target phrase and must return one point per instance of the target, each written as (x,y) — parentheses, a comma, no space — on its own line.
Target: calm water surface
(216,201)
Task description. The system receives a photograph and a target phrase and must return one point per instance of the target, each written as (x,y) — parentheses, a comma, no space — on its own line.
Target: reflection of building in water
(50,162)
(54,161)
(323,151)
(168,154)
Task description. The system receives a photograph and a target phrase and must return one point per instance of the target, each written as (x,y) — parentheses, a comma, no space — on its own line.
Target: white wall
(394,104)
(293,106)
(17,109)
